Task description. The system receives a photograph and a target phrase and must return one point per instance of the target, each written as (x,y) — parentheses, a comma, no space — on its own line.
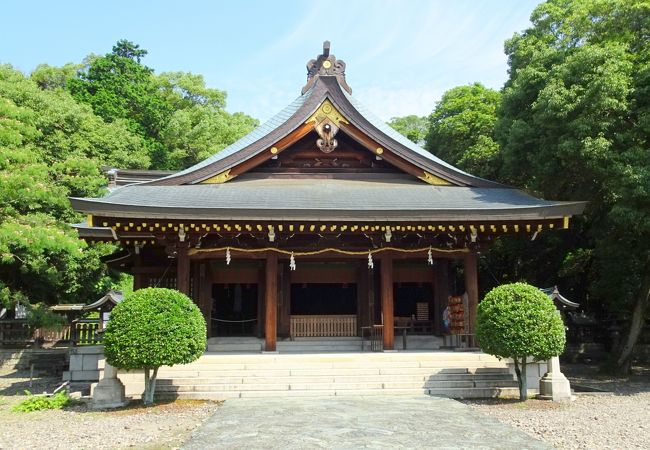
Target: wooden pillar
(205,294)
(441,293)
(387,301)
(183,271)
(284,300)
(363,304)
(261,298)
(374,297)
(271,303)
(139,279)
(471,287)
(195,282)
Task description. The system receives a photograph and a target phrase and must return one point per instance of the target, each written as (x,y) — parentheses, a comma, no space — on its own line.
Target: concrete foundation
(554,385)
(109,392)
(20,359)
(84,363)
(534,371)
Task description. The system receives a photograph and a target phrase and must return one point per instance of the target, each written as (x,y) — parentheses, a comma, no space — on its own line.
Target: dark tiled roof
(296,114)
(259,133)
(332,198)
(368,197)
(122,177)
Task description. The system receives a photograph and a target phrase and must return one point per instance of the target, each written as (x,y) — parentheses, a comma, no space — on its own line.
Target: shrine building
(322,222)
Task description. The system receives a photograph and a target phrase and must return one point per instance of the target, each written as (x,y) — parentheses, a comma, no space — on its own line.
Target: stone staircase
(222,376)
(316,345)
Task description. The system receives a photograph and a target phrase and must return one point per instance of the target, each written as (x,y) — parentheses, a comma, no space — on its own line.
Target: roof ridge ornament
(326,65)
(327,120)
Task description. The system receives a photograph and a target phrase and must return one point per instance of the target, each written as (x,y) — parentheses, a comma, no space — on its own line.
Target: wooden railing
(375,336)
(323,326)
(46,335)
(84,332)
(14,332)
(80,332)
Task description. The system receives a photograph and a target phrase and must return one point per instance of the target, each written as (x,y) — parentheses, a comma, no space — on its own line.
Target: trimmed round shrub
(519,321)
(154,327)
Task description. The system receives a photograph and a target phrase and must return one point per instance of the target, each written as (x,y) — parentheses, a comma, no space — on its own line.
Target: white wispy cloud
(401,55)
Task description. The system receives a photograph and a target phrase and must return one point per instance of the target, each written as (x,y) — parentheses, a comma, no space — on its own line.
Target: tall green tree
(51,148)
(199,125)
(58,127)
(67,130)
(461,129)
(413,127)
(119,87)
(180,120)
(575,121)
(51,77)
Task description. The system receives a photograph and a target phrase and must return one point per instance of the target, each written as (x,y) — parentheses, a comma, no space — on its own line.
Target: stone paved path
(353,423)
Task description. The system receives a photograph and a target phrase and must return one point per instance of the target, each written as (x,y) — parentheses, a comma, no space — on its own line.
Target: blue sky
(400,55)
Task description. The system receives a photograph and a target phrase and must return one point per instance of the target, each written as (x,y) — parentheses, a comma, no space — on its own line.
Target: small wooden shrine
(322,221)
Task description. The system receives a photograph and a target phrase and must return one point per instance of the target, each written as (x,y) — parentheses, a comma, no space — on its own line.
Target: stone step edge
(457,393)
(330,379)
(335,387)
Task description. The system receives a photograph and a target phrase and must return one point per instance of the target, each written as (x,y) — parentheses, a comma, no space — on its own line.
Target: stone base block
(108,393)
(81,375)
(556,387)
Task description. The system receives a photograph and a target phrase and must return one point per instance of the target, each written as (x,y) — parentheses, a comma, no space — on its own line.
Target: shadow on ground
(590,376)
(17,382)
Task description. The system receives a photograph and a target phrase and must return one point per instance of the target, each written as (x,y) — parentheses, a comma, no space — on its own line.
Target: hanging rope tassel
(228,256)
(430,257)
(292,262)
(371,264)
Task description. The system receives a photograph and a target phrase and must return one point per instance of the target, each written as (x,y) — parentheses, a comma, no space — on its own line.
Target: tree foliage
(413,127)
(58,127)
(519,321)
(176,116)
(461,129)
(199,125)
(154,327)
(51,148)
(575,121)
(51,77)
(118,87)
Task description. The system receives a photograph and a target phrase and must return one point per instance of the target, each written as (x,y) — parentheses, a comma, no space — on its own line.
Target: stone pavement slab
(353,423)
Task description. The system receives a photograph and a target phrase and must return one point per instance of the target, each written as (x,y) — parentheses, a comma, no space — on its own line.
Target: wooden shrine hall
(320,222)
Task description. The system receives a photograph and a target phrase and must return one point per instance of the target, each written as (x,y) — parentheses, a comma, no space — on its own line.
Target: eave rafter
(163,232)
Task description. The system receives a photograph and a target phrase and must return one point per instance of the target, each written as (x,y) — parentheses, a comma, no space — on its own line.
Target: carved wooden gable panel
(306,156)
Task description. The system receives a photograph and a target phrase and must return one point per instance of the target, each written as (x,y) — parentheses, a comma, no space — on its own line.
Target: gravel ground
(617,419)
(162,426)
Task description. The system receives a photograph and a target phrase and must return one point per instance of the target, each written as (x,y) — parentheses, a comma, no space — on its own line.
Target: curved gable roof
(199,192)
(297,113)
